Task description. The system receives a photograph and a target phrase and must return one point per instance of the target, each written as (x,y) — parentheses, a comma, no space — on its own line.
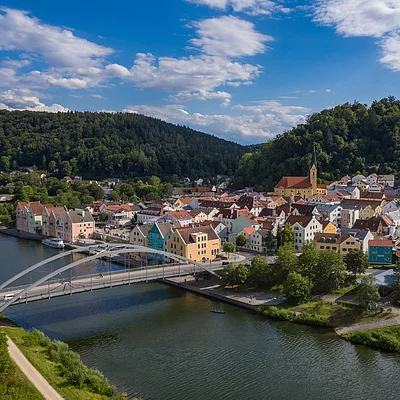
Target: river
(162,343)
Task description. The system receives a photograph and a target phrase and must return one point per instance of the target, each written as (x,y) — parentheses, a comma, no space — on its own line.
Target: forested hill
(100,145)
(347,139)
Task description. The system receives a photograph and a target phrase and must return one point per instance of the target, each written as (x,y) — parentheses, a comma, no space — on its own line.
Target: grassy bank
(13,383)
(323,313)
(382,338)
(62,367)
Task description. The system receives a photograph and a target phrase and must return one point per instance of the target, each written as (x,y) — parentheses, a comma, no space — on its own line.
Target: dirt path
(368,325)
(31,372)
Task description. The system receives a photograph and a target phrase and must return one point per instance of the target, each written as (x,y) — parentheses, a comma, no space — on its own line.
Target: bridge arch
(121,249)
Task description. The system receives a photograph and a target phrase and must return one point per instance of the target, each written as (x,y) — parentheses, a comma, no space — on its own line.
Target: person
(101,275)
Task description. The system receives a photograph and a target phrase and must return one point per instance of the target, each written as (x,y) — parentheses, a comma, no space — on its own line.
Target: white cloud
(391,52)
(251,7)
(229,36)
(26,100)
(202,95)
(187,74)
(97,96)
(359,17)
(256,122)
(374,18)
(59,47)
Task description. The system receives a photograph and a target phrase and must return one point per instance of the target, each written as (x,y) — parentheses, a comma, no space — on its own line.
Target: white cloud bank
(376,18)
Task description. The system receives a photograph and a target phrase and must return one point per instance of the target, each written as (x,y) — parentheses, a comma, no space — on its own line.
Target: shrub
(6,366)
(276,312)
(78,377)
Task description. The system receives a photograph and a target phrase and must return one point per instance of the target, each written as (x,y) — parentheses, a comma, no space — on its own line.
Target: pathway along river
(160,342)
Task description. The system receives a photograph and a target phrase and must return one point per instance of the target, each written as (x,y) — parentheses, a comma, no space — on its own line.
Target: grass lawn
(323,313)
(382,338)
(50,370)
(16,386)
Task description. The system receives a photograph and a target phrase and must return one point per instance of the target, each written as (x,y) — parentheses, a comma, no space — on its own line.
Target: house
(380,252)
(330,198)
(371,179)
(220,229)
(304,228)
(119,215)
(330,212)
(149,215)
(49,220)
(29,216)
(362,185)
(157,238)
(178,218)
(393,205)
(388,225)
(373,224)
(199,244)
(254,206)
(209,212)
(181,202)
(198,216)
(386,180)
(375,188)
(349,215)
(304,186)
(80,225)
(341,244)
(246,232)
(328,227)
(307,210)
(258,241)
(244,221)
(138,235)
(357,179)
(228,216)
(362,235)
(346,179)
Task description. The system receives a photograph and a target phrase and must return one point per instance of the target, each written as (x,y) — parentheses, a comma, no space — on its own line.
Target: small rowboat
(218,311)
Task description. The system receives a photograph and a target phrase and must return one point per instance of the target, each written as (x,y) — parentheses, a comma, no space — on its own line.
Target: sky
(243,70)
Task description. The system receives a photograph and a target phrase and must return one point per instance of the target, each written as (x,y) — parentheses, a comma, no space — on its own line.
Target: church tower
(313,172)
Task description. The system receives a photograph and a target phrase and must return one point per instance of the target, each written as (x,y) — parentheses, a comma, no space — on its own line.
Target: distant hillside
(103,145)
(347,138)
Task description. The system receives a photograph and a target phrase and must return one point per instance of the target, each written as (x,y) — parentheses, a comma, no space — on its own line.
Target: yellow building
(304,186)
(328,227)
(341,244)
(199,244)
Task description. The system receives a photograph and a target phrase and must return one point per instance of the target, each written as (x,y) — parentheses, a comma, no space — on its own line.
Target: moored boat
(57,243)
(217,311)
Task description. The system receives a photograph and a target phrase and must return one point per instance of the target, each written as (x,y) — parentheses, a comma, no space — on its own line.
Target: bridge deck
(94,282)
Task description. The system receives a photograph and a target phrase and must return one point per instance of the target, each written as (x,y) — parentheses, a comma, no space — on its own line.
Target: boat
(218,311)
(57,243)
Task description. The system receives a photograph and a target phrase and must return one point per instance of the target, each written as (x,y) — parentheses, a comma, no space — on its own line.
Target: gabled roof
(249,230)
(180,215)
(373,224)
(294,182)
(381,243)
(299,219)
(188,233)
(164,228)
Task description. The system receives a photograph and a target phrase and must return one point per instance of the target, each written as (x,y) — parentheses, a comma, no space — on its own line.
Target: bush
(314,319)
(276,312)
(297,289)
(6,366)
(78,377)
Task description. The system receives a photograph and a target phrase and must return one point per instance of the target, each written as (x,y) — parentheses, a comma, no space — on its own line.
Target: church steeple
(313,171)
(314,157)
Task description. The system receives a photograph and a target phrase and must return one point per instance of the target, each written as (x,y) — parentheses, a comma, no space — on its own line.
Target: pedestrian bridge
(52,285)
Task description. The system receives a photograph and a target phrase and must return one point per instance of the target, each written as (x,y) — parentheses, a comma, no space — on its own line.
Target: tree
(270,242)
(286,261)
(261,275)
(287,235)
(103,217)
(329,272)
(5,163)
(229,248)
(235,275)
(396,283)
(65,169)
(96,191)
(356,262)
(297,289)
(241,241)
(52,166)
(367,293)
(308,260)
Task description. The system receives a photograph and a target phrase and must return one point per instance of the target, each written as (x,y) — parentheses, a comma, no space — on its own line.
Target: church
(303,186)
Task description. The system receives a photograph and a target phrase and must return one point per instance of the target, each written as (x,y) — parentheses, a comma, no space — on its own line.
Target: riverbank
(62,367)
(378,329)
(22,235)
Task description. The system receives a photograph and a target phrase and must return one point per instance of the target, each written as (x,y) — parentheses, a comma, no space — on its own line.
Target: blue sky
(244,70)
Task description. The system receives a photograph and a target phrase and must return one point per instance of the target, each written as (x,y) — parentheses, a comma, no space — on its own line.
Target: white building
(304,228)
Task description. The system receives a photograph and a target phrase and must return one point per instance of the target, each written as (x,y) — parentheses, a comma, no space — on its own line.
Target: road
(31,372)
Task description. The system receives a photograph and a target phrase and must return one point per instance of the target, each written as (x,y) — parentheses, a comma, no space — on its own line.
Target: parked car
(385,291)
(225,263)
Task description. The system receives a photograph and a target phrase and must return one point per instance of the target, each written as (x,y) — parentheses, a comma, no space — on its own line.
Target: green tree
(96,191)
(367,293)
(65,169)
(356,261)
(52,166)
(261,275)
(235,275)
(103,217)
(241,241)
(286,262)
(154,181)
(308,260)
(329,273)
(5,163)
(270,242)
(287,235)
(297,289)
(229,248)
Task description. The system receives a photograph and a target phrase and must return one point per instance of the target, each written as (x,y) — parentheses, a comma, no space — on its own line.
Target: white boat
(57,243)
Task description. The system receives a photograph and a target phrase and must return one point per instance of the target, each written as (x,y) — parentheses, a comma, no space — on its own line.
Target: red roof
(381,243)
(296,182)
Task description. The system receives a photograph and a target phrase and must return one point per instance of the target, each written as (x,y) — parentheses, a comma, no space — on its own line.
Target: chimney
(83,213)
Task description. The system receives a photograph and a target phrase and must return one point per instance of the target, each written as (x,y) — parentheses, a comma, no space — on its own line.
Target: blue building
(157,239)
(380,251)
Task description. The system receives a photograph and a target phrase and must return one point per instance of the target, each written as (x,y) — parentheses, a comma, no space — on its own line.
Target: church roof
(314,158)
(294,182)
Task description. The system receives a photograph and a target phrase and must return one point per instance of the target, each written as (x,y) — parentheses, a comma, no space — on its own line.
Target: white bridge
(51,285)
